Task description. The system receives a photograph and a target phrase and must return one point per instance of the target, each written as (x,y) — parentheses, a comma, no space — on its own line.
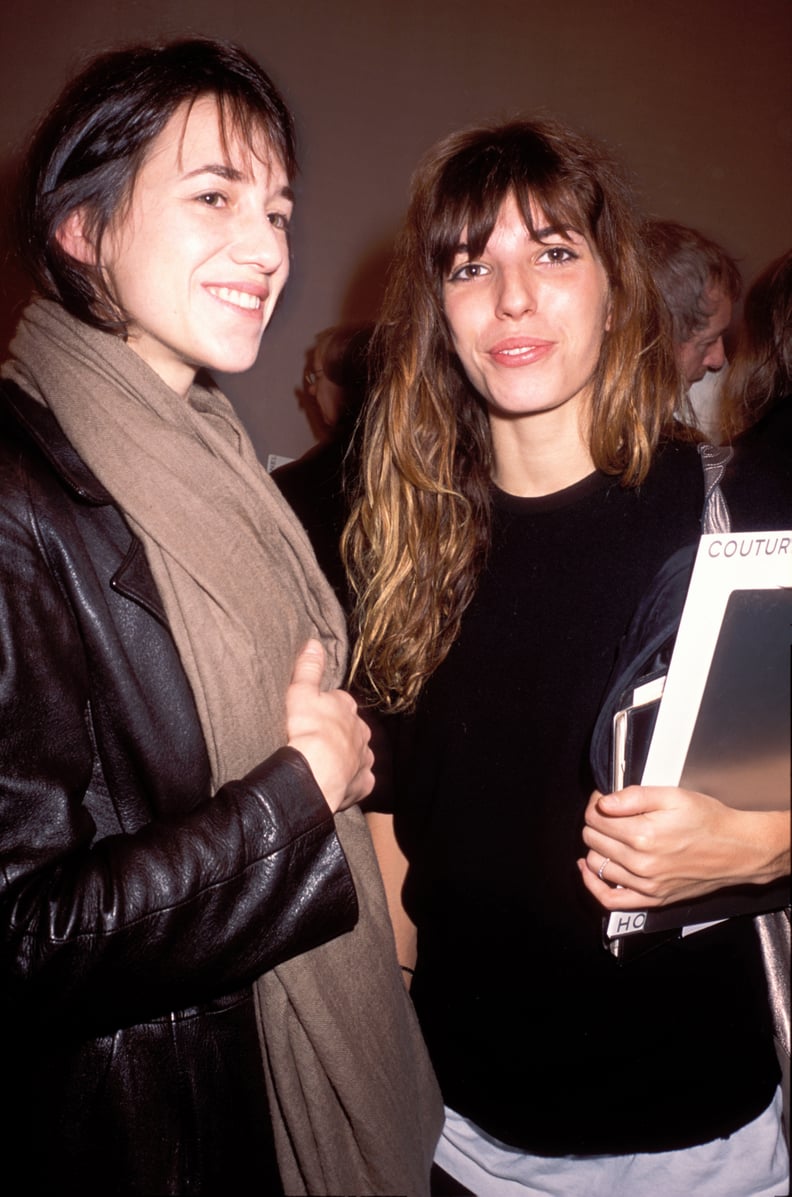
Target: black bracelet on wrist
(406,969)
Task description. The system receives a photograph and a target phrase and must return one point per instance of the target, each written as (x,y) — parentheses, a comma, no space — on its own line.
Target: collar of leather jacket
(42,427)
(34,423)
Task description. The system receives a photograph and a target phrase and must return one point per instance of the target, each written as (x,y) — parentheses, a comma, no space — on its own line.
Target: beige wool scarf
(355,1107)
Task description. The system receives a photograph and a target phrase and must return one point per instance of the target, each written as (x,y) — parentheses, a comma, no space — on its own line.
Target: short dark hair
(90,146)
(687,267)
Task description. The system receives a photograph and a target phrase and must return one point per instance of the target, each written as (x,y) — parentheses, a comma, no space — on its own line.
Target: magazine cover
(735,622)
(722,725)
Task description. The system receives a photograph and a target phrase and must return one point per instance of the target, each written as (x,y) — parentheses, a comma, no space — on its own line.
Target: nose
(516,293)
(259,243)
(715,357)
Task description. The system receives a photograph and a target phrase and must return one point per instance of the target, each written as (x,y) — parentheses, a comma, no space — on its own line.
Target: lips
(520,351)
(244,297)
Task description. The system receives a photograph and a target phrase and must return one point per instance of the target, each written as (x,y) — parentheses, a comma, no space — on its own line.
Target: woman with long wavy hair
(525,474)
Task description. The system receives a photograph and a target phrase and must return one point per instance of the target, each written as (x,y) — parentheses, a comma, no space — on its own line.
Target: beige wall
(694,94)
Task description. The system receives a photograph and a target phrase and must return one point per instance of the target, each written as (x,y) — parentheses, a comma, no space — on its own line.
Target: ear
(72,237)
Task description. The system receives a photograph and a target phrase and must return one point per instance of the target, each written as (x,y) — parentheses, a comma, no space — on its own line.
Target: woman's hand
(651,845)
(325,727)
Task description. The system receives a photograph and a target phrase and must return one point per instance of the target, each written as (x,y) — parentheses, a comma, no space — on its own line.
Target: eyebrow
(552,231)
(221,169)
(233,175)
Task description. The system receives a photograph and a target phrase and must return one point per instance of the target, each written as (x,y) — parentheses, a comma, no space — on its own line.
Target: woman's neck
(539,456)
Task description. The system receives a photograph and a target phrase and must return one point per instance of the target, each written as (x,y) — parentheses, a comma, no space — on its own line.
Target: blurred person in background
(337,381)
(700,284)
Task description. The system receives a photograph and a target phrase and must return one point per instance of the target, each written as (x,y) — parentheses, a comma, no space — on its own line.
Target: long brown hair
(761,369)
(419,528)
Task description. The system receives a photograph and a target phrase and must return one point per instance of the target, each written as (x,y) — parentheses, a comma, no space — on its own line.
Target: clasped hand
(324,725)
(651,845)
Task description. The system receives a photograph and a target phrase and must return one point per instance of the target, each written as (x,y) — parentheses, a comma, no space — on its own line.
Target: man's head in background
(699,282)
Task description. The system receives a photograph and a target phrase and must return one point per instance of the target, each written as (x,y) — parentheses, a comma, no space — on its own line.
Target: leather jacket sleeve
(119,905)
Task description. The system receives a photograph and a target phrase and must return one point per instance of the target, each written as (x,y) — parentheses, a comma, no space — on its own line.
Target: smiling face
(527,317)
(199,256)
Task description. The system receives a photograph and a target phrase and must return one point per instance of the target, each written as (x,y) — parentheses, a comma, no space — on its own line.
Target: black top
(313,485)
(537,1033)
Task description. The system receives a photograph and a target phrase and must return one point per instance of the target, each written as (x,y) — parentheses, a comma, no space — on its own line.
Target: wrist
(767,836)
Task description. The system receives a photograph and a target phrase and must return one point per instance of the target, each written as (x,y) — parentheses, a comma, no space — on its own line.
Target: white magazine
(723,724)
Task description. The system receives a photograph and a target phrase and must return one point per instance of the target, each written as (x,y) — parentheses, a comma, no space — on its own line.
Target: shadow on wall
(14,282)
(360,304)
(366,286)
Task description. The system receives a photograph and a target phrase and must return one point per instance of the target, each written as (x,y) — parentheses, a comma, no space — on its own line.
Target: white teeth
(242,299)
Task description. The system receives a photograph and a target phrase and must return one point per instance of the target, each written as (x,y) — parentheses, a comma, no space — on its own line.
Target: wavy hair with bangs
(419,529)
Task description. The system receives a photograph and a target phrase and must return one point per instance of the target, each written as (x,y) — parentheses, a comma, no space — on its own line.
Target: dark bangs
(483,167)
(88,150)
(255,130)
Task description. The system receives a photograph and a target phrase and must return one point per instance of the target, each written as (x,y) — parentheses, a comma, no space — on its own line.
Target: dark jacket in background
(314,487)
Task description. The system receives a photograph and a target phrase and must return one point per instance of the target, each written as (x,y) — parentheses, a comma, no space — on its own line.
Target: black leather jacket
(136,906)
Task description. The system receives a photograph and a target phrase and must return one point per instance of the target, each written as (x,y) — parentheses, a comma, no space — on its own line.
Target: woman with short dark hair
(176,758)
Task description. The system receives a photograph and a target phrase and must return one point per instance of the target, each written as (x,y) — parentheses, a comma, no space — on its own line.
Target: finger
(610,894)
(639,832)
(603,864)
(593,803)
(609,837)
(309,666)
(635,800)
(627,871)
(630,866)
(364,781)
(604,868)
